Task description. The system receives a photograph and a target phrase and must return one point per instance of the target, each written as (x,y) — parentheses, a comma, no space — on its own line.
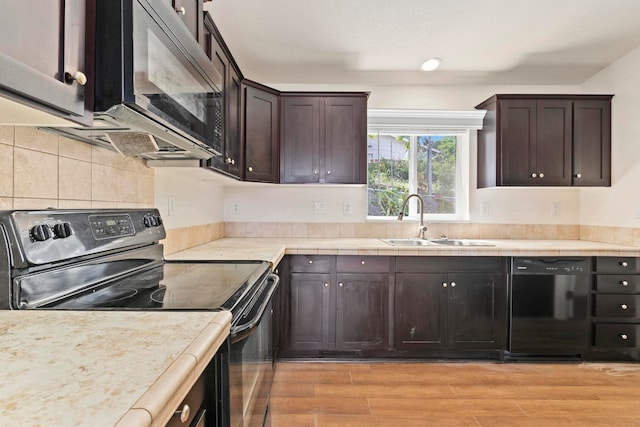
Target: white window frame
(462,124)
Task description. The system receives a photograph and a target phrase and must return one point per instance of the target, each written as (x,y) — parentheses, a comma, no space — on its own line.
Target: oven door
(251,367)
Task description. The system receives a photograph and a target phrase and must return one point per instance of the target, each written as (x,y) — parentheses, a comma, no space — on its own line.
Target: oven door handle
(251,317)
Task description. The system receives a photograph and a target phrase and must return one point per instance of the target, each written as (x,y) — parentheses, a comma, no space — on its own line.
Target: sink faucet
(422,228)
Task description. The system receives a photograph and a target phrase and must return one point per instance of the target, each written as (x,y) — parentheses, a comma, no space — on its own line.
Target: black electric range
(112,260)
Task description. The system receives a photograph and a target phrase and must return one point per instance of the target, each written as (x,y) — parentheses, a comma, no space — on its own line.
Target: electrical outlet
(171,208)
(235,208)
(555,209)
(319,208)
(484,209)
(346,208)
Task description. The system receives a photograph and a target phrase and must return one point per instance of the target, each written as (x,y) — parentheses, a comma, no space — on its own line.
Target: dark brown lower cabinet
(443,311)
(335,312)
(362,306)
(311,312)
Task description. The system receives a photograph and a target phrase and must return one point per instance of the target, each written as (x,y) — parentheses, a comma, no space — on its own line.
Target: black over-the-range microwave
(157,94)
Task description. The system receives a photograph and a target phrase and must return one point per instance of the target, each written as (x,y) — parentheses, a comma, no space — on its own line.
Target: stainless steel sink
(436,242)
(408,242)
(460,242)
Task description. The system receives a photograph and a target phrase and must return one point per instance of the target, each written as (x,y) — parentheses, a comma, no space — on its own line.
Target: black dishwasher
(549,307)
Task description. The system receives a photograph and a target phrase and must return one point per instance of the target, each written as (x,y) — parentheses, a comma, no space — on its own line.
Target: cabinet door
(232,129)
(518,132)
(553,143)
(221,63)
(592,143)
(421,307)
(312,326)
(300,139)
(191,13)
(345,127)
(261,136)
(362,304)
(473,317)
(51,49)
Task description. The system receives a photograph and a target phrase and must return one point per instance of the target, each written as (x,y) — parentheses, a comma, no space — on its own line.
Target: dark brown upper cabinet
(191,13)
(323,138)
(545,140)
(261,133)
(46,53)
(231,160)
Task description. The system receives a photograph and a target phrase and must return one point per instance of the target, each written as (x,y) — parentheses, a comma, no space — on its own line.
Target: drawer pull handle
(624,336)
(184,413)
(624,283)
(624,306)
(624,264)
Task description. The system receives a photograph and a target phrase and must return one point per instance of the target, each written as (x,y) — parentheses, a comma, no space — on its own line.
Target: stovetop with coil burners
(110,259)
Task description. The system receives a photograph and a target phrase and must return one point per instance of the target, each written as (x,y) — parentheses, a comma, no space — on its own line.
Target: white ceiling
(488,42)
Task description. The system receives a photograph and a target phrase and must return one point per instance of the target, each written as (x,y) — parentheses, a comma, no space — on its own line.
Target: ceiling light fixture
(431,64)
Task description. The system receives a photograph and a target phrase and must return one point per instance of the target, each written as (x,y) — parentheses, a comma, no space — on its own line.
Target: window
(419,152)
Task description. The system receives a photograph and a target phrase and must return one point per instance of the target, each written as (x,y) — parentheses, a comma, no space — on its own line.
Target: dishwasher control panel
(550,265)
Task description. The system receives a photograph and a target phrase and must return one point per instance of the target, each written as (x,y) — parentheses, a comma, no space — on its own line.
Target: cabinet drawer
(311,263)
(616,335)
(362,264)
(617,306)
(617,265)
(445,264)
(618,284)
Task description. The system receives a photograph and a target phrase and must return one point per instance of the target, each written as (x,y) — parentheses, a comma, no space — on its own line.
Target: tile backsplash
(39,170)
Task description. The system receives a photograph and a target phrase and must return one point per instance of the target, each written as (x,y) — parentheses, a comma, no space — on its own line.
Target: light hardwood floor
(320,394)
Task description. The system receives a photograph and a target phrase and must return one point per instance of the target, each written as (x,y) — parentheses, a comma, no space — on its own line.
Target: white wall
(511,206)
(196,199)
(620,204)
(208,198)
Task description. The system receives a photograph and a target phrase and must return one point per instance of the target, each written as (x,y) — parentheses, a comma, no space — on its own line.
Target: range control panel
(52,235)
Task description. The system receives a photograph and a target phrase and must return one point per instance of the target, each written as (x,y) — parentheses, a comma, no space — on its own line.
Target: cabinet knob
(624,283)
(228,160)
(315,172)
(624,336)
(624,306)
(578,175)
(233,162)
(453,284)
(444,284)
(534,175)
(184,413)
(340,284)
(79,77)
(328,172)
(181,10)
(310,261)
(250,169)
(326,285)
(624,264)
(362,262)
(541,175)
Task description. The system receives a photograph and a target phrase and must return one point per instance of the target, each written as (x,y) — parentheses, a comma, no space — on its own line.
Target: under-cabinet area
(458,307)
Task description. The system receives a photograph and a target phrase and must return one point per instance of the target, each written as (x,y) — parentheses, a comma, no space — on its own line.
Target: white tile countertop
(274,249)
(102,368)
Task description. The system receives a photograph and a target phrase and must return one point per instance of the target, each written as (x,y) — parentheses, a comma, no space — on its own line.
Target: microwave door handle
(246,327)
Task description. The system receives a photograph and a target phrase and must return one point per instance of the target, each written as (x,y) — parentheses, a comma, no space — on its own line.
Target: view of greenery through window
(399,165)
